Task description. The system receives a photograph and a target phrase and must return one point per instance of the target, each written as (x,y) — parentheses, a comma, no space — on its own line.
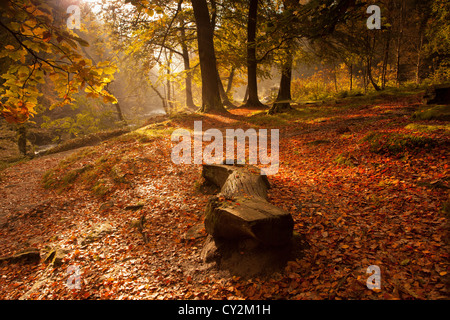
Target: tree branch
(168,28)
(30,51)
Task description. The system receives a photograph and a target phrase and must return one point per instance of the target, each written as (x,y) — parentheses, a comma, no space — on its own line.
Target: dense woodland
(91,90)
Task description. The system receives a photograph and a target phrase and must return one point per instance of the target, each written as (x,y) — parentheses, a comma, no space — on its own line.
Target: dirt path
(20,187)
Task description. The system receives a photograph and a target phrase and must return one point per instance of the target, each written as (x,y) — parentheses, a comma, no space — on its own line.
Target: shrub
(346,160)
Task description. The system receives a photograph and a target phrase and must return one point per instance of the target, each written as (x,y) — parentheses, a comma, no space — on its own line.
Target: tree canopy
(201,44)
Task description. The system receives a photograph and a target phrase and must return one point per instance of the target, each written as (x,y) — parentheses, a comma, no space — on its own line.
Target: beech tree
(311,21)
(211,101)
(253,99)
(40,48)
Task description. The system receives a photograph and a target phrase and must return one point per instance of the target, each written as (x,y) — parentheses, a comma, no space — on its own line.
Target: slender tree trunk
(399,40)
(211,101)
(350,71)
(188,81)
(419,59)
(253,100)
(365,80)
(230,81)
(168,83)
(335,77)
(119,112)
(385,61)
(163,100)
(246,94)
(118,108)
(226,102)
(369,75)
(22,138)
(369,66)
(283,101)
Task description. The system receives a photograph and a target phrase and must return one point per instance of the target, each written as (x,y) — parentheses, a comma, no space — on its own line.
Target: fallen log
(241,209)
(26,256)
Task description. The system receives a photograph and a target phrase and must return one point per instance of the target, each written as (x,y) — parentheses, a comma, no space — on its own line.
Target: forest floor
(366,182)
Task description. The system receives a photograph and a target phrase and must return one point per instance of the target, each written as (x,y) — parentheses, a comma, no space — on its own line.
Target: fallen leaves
(374,213)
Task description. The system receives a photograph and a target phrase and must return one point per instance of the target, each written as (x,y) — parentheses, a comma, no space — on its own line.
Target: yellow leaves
(54,76)
(404,262)
(109,99)
(10,47)
(103,64)
(23,71)
(109,70)
(92,95)
(389,182)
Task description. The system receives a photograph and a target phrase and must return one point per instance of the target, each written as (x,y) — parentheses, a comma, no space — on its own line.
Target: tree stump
(241,209)
(439,94)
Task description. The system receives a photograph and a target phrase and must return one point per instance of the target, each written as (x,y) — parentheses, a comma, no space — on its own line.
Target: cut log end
(248,218)
(242,210)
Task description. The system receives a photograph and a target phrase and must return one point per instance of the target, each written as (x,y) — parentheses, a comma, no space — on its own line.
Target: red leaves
(46,36)
(375,213)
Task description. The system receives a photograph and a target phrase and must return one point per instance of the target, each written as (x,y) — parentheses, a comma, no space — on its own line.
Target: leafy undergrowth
(397,143)
(90,139)
(357,201)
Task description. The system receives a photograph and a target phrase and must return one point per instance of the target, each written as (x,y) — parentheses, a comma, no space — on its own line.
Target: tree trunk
(385,61)
(226,102)
(188,81)
(419,58)
(163,100)
(399,40)
(283,101)
(230,81)
(22,138)
(211,101)
(369,74)
(245,95)
(119,113)
(351,76)
(365,80)
(253,100)
(118,108)
(335,77)
(168,83)
(370,46)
